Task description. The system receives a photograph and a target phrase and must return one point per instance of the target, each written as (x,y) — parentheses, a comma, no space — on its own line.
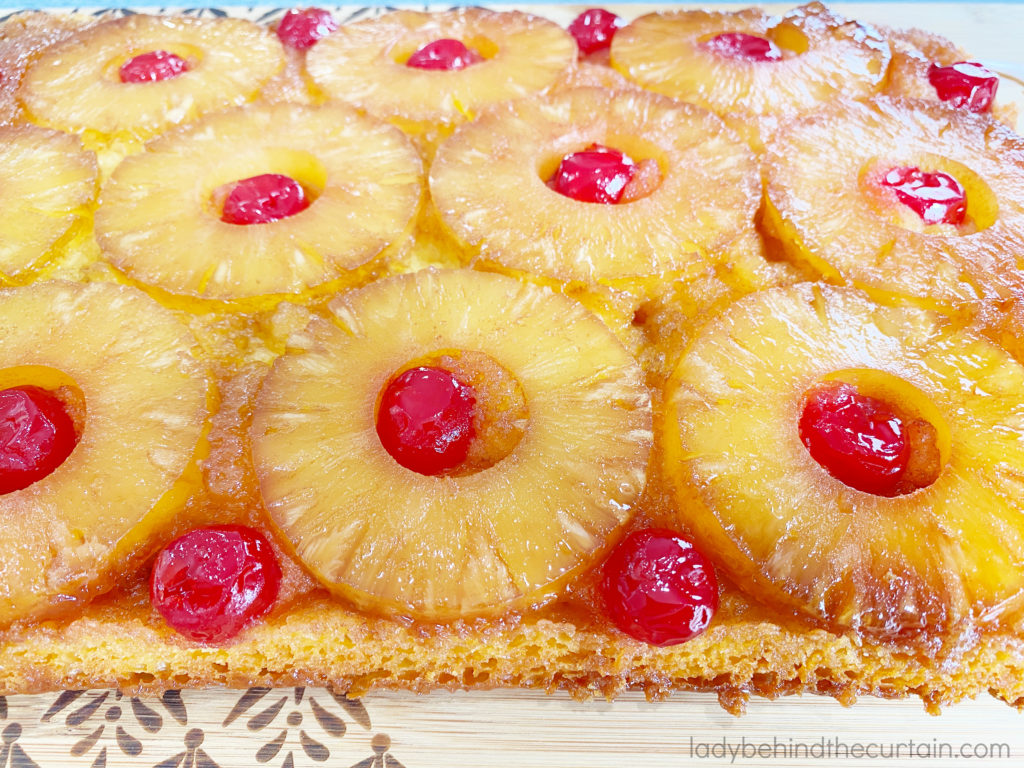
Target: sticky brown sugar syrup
(566,639)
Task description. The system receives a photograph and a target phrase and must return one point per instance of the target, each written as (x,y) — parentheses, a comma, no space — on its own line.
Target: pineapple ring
(66,536)
(786,529)
(364,64)
(158,224)
(396,541)
(517,224)
(21,34)
(824,56)
(913,53)
(828,219)
(48,183)
(74,84)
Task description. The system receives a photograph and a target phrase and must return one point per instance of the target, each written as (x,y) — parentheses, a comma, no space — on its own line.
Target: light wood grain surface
(304,728)
(294,728)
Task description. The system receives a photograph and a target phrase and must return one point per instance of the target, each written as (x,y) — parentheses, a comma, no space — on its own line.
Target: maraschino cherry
(858,439)
(212,582)
(425,420)
(152,67)
(301,29)
(444,54)
(936,197)
(594,30)
(743,47)
(36,436)
(264,198)
(597,174)
(659,588)
(965,85)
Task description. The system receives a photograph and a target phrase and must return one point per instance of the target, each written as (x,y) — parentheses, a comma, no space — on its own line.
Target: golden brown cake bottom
(320,643)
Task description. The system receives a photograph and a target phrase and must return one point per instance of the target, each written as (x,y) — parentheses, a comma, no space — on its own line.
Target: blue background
(32,4)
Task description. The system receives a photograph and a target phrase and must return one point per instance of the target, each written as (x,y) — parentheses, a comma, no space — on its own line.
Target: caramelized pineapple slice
(913,51)
(126,369)
(76,85)
(365,64)
(22,36)
(841,220)
(792,533)
(808,57)
(160,218)
(915,56)
(47,184)
(441,547)
(489,183)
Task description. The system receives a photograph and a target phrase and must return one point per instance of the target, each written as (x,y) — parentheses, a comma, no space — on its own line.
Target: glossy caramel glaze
(312,637)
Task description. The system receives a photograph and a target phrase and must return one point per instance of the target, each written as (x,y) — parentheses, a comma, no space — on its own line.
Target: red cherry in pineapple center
(744,47)
(445,53)
(936,197)
(36,436)
(211,582)
(598,174)
(301,29)
(858,439)
(965,85)
(425,420)
(658,588)
(594,29)
(264,198)
(152,67)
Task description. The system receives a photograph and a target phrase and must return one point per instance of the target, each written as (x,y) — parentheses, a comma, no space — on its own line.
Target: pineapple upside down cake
(461,349)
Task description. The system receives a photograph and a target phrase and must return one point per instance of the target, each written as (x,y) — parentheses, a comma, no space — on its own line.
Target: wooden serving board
(302,728)
(297,727)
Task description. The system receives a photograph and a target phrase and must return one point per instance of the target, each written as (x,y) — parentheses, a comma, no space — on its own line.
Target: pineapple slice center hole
(788,38)
(302,167)
(924,429)
(191,54)
(647,161)
(982,206)
(70,398)
(500,413)
(402,51)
